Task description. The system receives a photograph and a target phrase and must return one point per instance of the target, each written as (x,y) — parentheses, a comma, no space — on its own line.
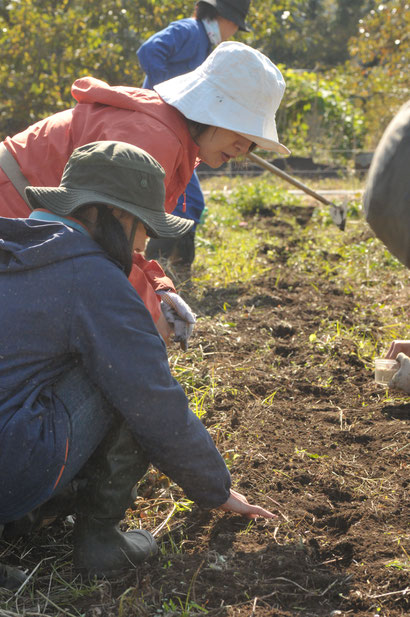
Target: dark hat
(234,10)
(116,174)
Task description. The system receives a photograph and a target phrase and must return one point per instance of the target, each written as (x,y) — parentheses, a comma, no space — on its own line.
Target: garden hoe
(338,213)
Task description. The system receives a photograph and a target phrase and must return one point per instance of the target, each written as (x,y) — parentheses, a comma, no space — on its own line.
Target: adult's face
(217,146)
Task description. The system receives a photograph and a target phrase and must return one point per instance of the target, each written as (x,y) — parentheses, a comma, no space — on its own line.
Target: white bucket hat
(236,88)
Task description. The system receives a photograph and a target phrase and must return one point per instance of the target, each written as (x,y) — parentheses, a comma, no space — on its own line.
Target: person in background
(215,113)
(86,392)
(177,49)
(387,209)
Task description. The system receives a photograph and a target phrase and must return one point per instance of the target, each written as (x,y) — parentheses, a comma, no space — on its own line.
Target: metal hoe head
(339,214)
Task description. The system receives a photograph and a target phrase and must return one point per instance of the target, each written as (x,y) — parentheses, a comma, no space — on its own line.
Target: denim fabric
(90,416)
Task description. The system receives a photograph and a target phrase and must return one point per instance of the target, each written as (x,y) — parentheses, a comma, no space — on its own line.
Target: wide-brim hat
(115,174)
(234,10)
(236,88)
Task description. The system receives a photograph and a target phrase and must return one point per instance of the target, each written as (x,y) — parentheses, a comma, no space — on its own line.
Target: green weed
(261,196)
(399,565)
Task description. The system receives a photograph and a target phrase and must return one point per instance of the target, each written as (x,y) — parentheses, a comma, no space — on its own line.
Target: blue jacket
(52,318)
(178,49)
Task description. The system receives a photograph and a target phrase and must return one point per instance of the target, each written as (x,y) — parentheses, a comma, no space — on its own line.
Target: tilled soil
(307,434)
(314,442)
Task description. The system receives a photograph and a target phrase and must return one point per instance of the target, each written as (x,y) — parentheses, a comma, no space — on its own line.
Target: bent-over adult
(214,113)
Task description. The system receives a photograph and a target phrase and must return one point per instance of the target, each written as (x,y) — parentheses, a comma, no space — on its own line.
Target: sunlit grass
(234,261)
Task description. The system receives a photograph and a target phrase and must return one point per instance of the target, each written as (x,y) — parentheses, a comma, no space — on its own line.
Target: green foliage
(223,258)
(182,609)
(306,34)
(317,113)
(399,565)
(378,75)
(261,196)
(45,46)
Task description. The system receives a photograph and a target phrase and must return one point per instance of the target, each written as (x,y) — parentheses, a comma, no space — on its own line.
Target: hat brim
(228,12)
(267,144)
(65,201)
(198,100)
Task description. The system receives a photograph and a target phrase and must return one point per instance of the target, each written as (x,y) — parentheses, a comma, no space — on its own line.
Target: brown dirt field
(326,453)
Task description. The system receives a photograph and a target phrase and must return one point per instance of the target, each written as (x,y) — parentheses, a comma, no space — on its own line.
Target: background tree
(378,73)
(316,117)
(44,47)
(306,34)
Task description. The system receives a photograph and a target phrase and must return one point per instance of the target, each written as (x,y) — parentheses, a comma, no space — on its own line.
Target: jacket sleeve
(146,292)
(126,358)
(147,277)
(153,273)
(158,52)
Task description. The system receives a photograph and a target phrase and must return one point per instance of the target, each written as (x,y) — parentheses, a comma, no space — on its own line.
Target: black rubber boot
(161,249)
(176,250)
(100,548)
(10,578)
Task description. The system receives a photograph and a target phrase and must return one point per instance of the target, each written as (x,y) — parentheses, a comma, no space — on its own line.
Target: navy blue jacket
(177,49)
(51,319)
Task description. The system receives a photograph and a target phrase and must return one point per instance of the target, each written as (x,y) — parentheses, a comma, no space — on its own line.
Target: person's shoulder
(100,281)
(188,27)
(101,284)
(188,23)
(97,266)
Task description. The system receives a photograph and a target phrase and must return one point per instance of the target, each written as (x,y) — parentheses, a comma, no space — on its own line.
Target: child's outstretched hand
(239,504)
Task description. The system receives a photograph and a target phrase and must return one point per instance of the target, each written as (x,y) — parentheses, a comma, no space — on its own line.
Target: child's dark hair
(203,10)
(109,234)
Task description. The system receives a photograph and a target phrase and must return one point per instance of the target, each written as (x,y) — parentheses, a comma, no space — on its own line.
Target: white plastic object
(384,370)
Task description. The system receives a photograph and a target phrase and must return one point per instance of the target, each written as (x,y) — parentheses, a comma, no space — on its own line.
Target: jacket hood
(92,90)
(28,243)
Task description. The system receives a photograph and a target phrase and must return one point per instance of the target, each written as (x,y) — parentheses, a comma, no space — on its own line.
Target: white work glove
(401,379)
(177,313)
